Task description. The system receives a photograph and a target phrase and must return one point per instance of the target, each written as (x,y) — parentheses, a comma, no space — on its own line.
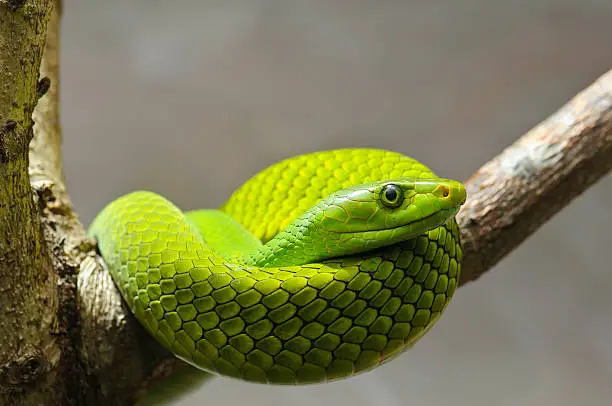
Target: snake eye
(392,196)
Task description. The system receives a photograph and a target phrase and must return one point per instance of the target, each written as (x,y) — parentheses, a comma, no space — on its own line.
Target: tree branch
(30,351)
(45,148)
(512,195)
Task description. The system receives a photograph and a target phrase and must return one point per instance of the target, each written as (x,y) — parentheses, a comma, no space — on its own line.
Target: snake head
(368,216)
(362,218)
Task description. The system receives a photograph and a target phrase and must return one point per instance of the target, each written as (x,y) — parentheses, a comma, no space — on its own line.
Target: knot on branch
(9,126)
(42,87)
(15,5)
(21,374)
(48,201)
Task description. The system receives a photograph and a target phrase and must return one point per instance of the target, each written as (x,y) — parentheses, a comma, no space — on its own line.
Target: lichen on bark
(28,299)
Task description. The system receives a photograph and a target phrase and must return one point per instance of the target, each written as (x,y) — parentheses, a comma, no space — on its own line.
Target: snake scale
(319,267)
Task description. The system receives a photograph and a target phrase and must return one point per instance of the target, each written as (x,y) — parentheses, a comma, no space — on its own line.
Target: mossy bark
(29,349)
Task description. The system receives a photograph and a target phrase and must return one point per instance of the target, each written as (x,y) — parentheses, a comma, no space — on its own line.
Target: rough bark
(516,192)
(30,350)
(74,340)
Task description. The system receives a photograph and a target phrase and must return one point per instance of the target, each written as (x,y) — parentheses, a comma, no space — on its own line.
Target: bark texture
(516,192)
(30,350)
(67,336)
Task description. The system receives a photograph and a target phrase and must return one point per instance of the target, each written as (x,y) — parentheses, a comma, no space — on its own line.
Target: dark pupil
(391,194)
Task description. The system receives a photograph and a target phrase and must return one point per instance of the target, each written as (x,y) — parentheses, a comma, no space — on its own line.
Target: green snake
(319,267)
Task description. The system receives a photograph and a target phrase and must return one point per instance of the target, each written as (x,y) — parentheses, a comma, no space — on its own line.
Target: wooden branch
(45,148)
(512,195)
(29,349)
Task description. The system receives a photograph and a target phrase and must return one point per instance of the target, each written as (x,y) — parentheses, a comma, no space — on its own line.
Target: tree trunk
(66,334)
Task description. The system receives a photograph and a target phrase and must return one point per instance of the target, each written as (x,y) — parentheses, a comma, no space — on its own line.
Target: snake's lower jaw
(413,230)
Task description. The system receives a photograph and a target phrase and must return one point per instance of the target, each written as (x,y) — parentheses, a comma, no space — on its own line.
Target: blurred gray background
(190,98)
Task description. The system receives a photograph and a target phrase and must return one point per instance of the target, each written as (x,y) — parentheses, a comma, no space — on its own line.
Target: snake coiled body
(207,284)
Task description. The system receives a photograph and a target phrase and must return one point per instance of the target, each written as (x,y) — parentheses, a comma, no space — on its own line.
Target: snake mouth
(372,240)
(443,214)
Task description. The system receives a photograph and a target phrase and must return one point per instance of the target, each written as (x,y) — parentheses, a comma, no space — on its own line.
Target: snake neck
(293,246)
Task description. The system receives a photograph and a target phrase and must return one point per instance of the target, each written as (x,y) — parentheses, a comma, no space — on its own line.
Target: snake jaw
(420,226)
